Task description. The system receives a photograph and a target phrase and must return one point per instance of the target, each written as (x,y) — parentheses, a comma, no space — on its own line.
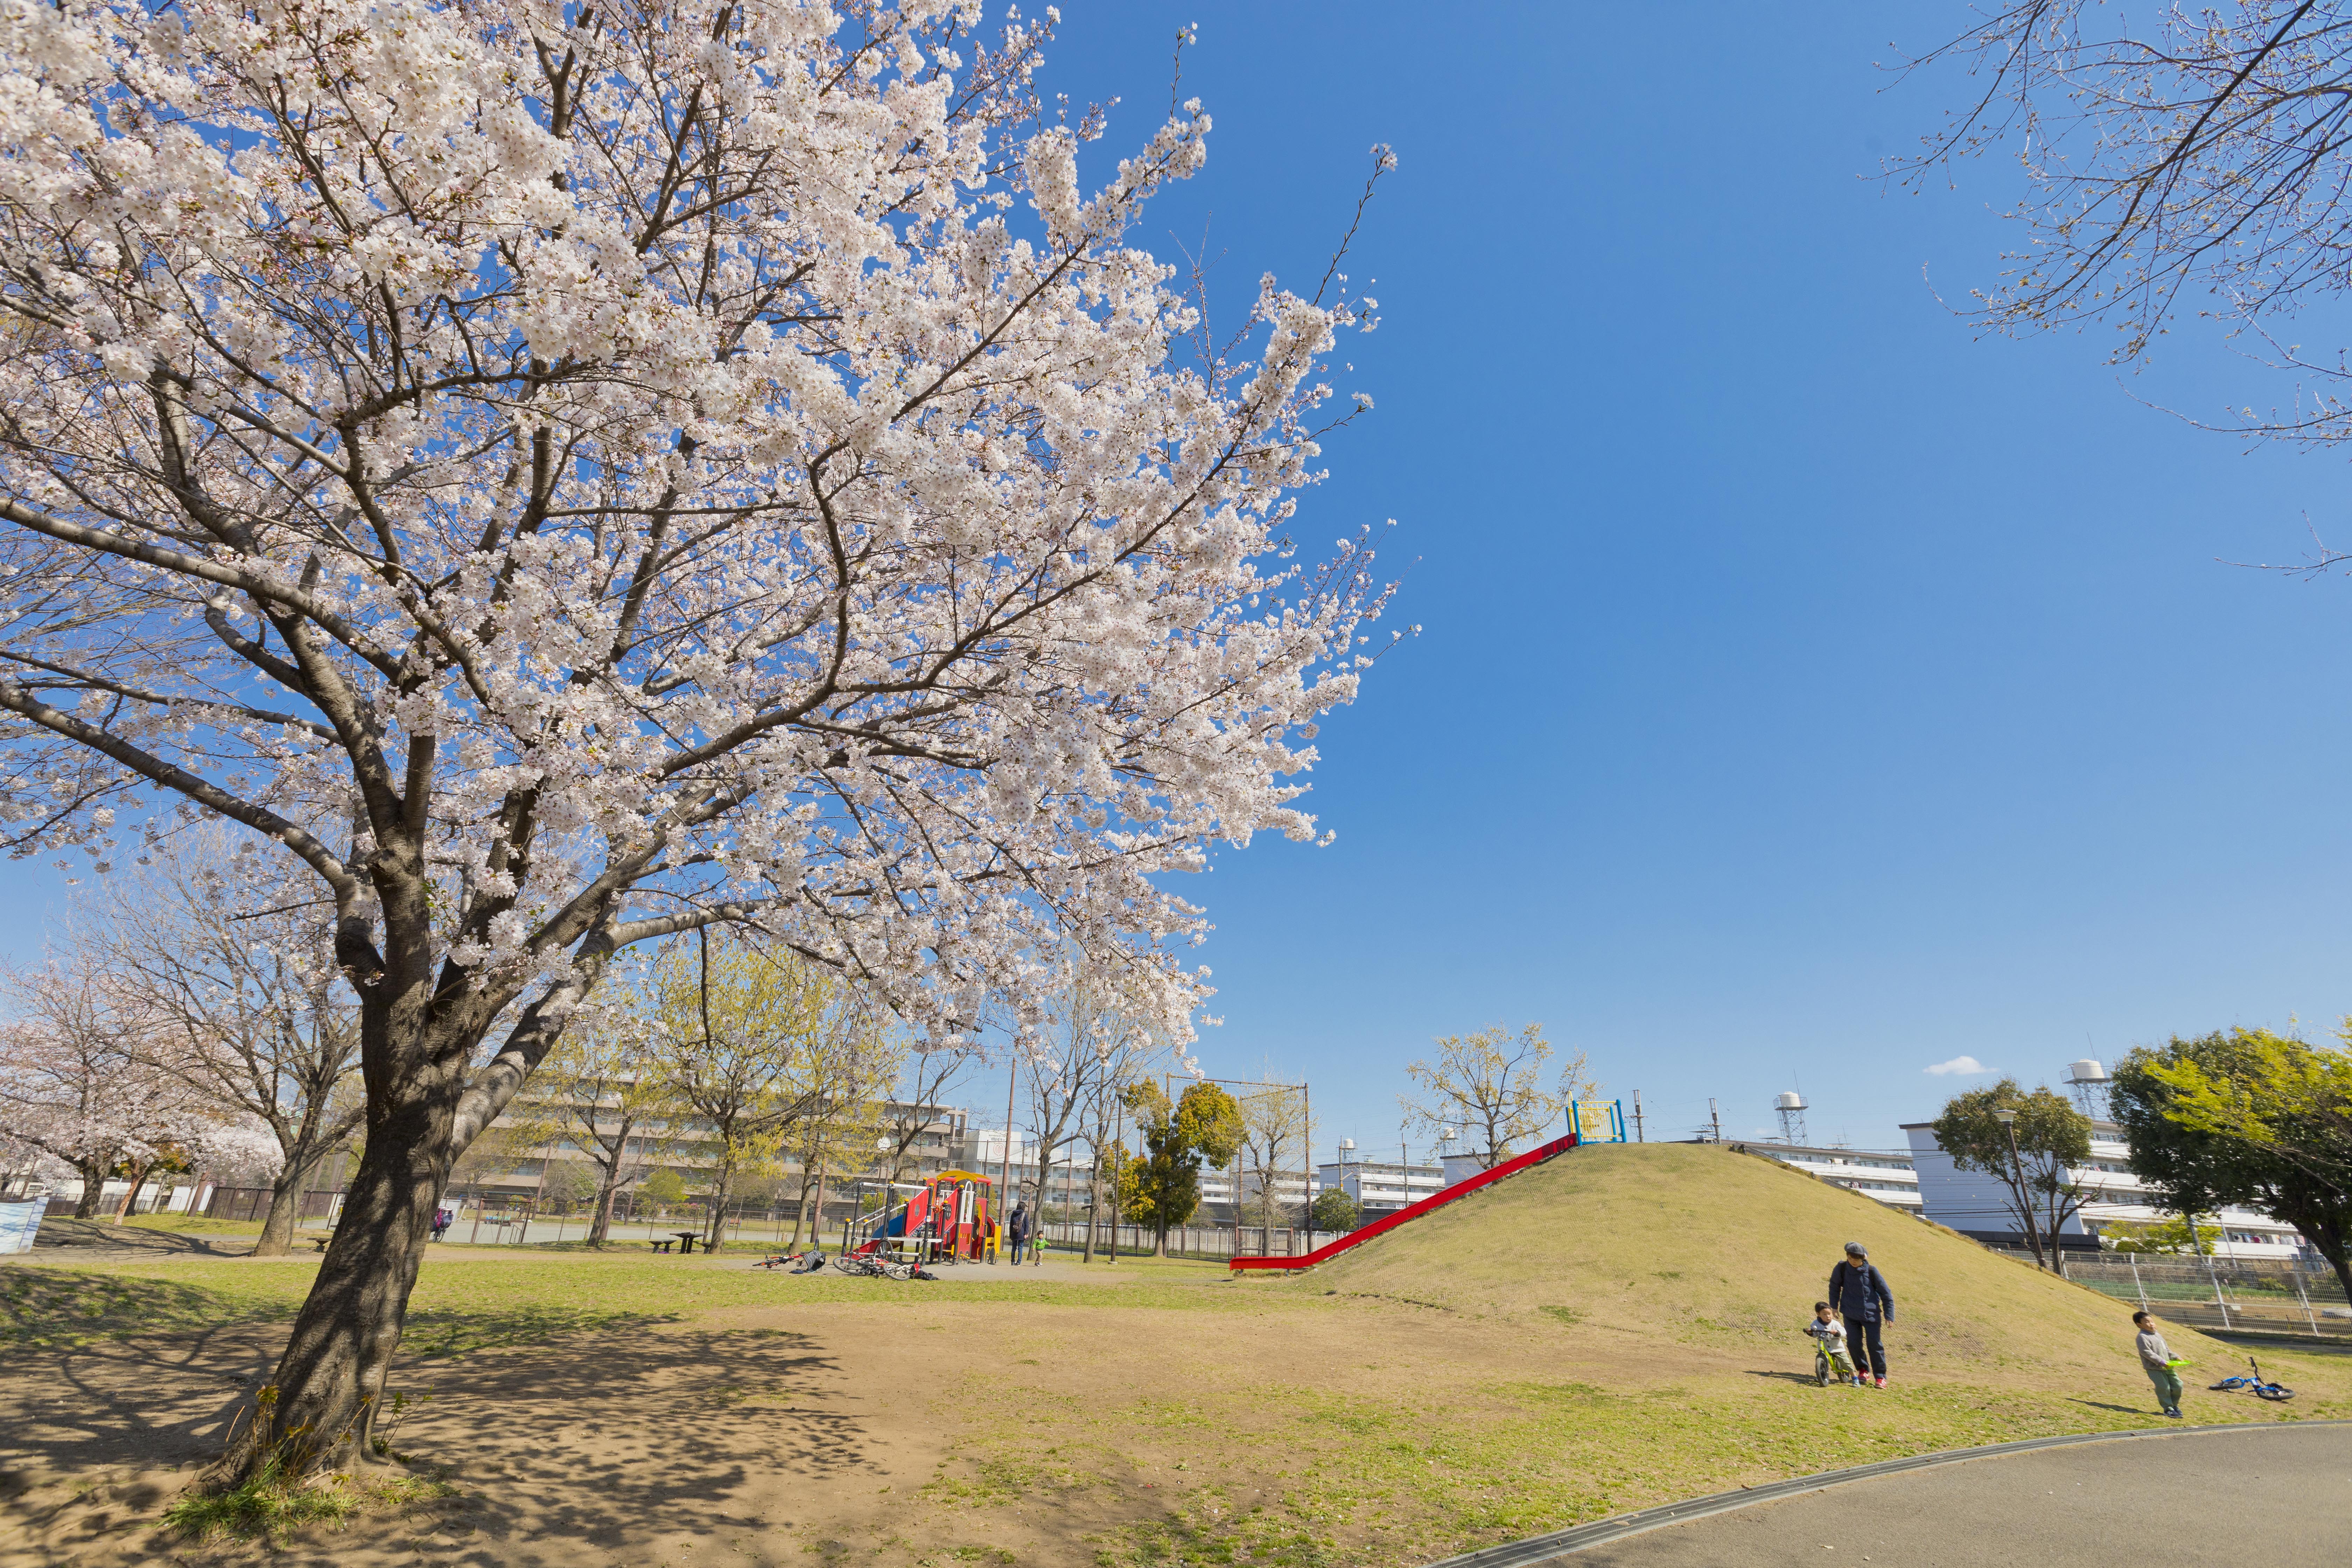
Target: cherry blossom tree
(80,1082)
(569,474)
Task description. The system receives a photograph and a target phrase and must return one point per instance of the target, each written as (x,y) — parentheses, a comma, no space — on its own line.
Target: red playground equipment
(948,1219)
(1381,1227)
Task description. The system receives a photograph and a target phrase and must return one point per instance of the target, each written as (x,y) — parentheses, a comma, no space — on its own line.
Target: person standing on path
(2155,1360)
(1866,1300)
(1018,1229)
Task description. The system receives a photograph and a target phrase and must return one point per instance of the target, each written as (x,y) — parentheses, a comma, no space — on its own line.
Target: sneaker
(2175,1415)
(1882,1383)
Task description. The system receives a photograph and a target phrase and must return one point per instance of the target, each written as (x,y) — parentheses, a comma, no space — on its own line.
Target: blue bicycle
(2258,1385)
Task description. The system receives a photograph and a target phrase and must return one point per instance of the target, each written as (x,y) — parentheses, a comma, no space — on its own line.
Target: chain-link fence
(2299,1298)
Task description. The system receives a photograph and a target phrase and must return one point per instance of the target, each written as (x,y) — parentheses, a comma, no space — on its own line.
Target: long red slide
(1329,1250)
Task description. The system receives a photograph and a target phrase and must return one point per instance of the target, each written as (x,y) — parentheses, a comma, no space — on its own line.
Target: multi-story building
(1291,1192)
(1380,1187)
(1882,1173)
(1068,1186)
(1976,1203)
(682,1144)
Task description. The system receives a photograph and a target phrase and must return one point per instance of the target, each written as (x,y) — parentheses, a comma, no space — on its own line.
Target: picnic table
(684,1242)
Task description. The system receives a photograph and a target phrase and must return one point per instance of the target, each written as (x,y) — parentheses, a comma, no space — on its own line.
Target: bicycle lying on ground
(807,1262)
(2257,1385)
(874,1265)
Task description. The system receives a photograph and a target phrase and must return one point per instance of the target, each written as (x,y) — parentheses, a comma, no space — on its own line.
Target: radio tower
(1791,1107)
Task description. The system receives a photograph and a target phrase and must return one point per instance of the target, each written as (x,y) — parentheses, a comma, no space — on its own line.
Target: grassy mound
(1704,1244)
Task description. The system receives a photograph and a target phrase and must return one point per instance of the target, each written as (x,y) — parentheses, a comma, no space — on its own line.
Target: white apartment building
(1069,1183)
(1885,1174)
(1382,1187)
(1975,1203)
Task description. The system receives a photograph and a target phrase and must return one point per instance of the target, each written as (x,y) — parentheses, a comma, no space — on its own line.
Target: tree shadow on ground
(97,1237)
(605,1440)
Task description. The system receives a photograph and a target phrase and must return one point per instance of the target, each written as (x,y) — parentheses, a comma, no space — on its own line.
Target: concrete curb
(1541,1549)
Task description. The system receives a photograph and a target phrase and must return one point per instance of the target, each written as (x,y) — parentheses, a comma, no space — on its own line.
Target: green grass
(60,1308)
(196,1225)
(484,1301)
(268,1507)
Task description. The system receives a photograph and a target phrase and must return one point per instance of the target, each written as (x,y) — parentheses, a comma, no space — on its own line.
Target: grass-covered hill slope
(1706,1245)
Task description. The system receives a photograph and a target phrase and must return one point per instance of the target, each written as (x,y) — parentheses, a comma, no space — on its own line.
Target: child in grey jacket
(2155,1360)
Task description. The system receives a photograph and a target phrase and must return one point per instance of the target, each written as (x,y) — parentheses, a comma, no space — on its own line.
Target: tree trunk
(600,1229)
(330,1381)
(131,1198)
(2022,1202)
(285,1209)
(93,1187)
(2341,1261)
(717,1226)
(1094,1200)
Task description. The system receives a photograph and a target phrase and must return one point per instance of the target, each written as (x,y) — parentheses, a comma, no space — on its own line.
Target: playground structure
(1597,1123)
(948,1219)
(1381,1227)
(1588,1123)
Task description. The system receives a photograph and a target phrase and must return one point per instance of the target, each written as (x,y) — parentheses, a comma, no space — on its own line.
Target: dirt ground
(938,1432)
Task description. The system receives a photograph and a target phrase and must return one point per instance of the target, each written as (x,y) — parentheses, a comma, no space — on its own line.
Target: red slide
(1329,1250)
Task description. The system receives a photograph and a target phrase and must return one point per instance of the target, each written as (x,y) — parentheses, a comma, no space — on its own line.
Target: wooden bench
(661,1245)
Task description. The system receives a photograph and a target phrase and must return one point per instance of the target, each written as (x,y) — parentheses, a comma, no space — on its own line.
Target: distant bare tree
(1274,1129)
(928,1077)
(246,1004)
(1493,1084)
(1093,1042)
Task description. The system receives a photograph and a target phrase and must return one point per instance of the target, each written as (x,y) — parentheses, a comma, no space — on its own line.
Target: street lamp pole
(2008,1120)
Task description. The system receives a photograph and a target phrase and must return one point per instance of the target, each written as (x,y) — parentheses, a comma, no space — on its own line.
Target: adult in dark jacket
(1866,1302)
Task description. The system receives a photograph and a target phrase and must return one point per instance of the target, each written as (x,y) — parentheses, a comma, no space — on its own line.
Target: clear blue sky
(1809,690)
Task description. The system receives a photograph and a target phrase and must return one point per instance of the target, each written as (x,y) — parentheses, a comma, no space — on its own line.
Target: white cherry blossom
(568,473)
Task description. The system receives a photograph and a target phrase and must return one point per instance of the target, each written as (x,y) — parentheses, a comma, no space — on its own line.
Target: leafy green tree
(2160,1238)
(665,1190)
(2245,1116)
(567,1184)
(2052,1139)
(1163,1187)
(1336,1212)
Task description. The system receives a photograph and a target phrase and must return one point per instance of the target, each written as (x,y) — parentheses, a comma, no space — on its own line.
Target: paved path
(2281,1497)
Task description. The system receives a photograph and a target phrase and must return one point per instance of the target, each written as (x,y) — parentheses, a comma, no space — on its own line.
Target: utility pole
(1715,1118)
(1011,1088)
(1637,1118)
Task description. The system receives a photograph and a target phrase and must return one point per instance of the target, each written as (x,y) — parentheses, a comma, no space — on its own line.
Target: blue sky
(1810,690)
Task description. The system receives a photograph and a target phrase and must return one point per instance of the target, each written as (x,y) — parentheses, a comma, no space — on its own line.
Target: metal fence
(1185,1241)
(2303,1299)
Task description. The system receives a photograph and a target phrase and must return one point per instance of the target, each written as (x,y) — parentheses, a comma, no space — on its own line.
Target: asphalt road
(2280,1498)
